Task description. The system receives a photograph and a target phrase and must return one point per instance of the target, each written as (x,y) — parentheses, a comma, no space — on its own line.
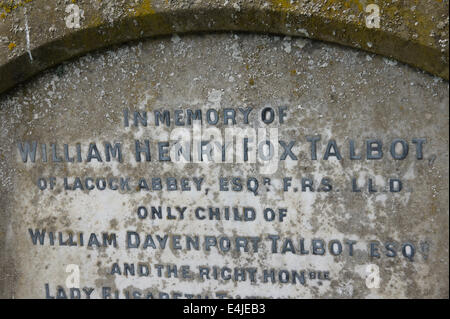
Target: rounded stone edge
(147,21)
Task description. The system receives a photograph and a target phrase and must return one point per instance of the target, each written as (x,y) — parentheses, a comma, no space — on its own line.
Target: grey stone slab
(394,241)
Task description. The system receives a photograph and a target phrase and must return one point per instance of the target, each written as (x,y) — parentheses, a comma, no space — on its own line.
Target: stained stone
(223,164)
(320,221)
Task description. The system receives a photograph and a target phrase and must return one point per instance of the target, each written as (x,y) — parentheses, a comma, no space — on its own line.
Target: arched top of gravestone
(37,34)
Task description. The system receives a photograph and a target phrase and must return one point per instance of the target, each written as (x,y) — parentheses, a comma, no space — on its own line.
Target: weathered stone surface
(35,36)
(338,93)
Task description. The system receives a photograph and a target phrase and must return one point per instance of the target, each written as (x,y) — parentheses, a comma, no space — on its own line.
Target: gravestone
(222,165)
